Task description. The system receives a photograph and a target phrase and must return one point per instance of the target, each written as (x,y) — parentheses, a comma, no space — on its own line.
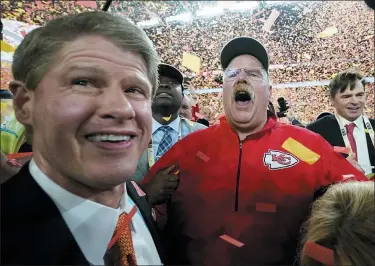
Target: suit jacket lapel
(145,208)
(337,138)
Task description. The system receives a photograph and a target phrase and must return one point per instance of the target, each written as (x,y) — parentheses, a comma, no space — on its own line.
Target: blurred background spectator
(308,41)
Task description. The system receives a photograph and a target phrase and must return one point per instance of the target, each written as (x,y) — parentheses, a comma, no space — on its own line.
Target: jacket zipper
(238,178)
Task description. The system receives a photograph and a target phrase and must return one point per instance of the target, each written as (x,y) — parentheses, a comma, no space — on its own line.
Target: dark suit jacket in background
(329,128)
(34,232)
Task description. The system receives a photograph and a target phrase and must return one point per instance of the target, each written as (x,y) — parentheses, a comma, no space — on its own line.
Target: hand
(161,186)
(6,170)
(352,160)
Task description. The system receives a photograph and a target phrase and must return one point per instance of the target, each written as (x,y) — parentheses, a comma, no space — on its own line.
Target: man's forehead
(245,61)
(356,89)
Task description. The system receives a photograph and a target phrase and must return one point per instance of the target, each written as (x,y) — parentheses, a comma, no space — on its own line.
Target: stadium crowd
(296,53)
(97,135)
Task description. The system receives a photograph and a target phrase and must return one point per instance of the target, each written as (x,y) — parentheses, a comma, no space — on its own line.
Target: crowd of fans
(296,53)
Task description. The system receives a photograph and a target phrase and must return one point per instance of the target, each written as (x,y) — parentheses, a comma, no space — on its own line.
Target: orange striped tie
(121,247)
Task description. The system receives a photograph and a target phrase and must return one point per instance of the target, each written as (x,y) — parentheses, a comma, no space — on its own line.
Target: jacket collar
(271,122)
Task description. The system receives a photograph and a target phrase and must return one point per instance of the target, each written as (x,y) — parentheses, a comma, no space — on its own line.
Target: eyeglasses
(254,75)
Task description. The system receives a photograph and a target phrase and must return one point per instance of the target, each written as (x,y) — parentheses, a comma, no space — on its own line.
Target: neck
(159,118)
(243,133)
(109,197)
(349,118)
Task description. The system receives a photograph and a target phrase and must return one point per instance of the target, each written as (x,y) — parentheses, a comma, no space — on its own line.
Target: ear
(332,100)
(22,102)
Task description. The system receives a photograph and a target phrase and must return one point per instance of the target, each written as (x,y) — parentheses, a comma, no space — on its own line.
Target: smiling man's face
(91,114)
(350,103)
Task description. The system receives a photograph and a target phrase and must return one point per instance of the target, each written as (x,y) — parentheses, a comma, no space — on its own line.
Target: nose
(354,100)
(114,104)
(164,87)
(242,79)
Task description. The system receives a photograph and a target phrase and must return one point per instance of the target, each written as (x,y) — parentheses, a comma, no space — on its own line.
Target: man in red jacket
(246,184)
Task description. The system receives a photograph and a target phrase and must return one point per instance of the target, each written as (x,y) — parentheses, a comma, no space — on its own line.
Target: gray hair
(37,52)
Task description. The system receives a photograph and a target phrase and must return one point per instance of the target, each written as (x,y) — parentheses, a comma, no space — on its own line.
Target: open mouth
(243,97)
(242,94)
(109,138)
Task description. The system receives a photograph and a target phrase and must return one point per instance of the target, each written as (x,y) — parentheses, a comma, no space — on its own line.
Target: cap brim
(244,45)
(171,72)
(6,95)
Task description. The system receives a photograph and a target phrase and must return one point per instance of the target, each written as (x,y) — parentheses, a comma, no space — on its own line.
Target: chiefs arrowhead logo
(278,160)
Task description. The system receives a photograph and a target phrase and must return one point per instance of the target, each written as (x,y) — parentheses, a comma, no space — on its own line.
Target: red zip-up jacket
(256,192)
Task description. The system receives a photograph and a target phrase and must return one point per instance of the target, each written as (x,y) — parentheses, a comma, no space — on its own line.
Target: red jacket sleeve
(335,167)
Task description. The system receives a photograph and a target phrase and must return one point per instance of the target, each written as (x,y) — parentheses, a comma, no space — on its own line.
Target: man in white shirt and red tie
(349,128)
(83,87)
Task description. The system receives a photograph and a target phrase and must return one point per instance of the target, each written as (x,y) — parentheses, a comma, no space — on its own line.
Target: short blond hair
(37,52)
(343,221)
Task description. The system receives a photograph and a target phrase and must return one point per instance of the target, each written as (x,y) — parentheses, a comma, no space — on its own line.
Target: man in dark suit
(83,86)
(349,127)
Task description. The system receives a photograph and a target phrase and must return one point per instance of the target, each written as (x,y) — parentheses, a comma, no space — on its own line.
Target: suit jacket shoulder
(322,123)
(329,129)
(32,228)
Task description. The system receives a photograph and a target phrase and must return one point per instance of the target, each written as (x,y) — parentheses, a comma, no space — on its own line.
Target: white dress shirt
(361,141)
(93,224)
(157,135)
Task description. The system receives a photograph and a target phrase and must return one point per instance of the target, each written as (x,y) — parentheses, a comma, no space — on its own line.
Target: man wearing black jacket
(83,84)
(349,127)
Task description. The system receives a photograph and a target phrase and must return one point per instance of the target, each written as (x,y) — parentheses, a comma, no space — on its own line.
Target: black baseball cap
(166,70)
(5,94)
(244,45)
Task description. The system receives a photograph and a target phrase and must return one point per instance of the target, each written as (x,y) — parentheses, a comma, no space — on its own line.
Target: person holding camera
(285,112)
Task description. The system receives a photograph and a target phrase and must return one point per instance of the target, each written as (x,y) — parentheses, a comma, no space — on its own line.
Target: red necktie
(349,132)
(121,251)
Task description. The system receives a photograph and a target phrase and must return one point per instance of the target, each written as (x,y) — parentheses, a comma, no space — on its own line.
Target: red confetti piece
(319,253)
(343,150)
(347,176)
(203,156)
(232,241)
(129,216)
(265,207)
(140,192)
(19,155)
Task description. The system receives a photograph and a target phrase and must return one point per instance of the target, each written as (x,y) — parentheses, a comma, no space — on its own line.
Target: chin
(111,173)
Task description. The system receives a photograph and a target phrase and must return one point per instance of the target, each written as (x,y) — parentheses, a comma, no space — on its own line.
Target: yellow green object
(12,131)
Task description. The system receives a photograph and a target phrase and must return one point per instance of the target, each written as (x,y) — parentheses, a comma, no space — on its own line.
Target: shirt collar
(358,122)
(92,224)
(271,122)
(175,124)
